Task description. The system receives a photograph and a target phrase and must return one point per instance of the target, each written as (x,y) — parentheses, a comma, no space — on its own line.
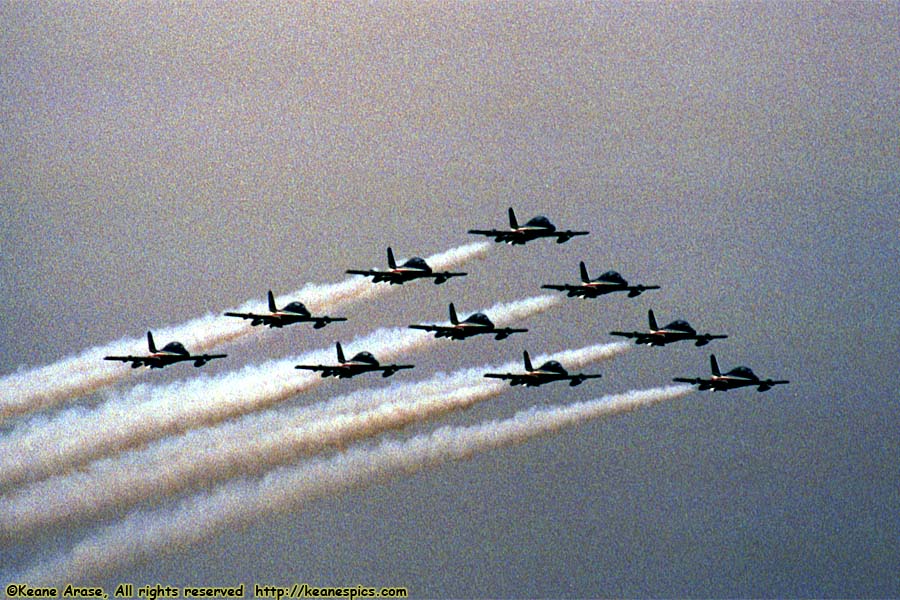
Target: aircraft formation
(476,324)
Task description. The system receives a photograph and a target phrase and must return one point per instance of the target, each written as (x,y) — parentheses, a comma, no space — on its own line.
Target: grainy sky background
(163,162)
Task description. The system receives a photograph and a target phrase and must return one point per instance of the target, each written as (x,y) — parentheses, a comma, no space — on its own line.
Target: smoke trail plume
(255,442)
(43,446)
(75,376)
(142,536)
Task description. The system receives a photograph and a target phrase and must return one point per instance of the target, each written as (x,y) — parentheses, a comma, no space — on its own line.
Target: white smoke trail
(47,446)
(48,386)
(255,442)
(142,536)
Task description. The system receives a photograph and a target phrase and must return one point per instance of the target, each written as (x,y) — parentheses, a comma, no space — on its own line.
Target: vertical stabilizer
(527,358)
(584,273)
(454,320)
(272,306)
(513,223)
(340,353)
(392,264)
(714,365)
(652,318)
(150,343)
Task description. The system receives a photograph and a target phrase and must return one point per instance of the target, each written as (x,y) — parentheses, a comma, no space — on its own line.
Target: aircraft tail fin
(584,273)
(513,223)
(340,353)
(391,262)
(652,318)
(527,358)
(150,343)
(272,306)
(453,318)
(713,365)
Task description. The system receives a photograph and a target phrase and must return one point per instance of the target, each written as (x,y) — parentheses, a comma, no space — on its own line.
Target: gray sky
(161,163)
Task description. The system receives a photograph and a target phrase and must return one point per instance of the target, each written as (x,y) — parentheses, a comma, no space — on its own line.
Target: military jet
(607,283)
(476,324)
(293,312)
(172,352)
(537,227)
(546,373)
(363,362)
(414,268)
(673,332)
(735,378)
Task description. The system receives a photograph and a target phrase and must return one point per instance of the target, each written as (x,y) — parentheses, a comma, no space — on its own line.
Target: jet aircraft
(673,332)
(546,373)
(735,378)
(536,227)
(172,352)
(414,268)
(293,312)
(363,362)
(476,324)
(607,283)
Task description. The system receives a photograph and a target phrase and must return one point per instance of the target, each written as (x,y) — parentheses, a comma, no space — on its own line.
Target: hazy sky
(164,162)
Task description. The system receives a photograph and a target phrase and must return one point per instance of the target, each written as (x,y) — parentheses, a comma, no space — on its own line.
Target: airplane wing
(564,236)
(317,367)
(494,233)
(577,290)
(461,333)
(389,370)
(327,370)
(640,337)
(202,359)
(440,331)
(628,334)
(705,384)
(440,278)
(637,290)
(514,378)
(256,319)
(501,333)
(392,277)
(767,384)
(706,338)
(320,322)
(377,276)
(691,380)
(509,237)
(580,378)
(136,361)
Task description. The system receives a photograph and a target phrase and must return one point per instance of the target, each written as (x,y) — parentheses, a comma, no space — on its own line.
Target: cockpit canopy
(175,348)
(612,277)
(364,357)
(680,325)
(479,319)
(742,372)
(542,222)
(417,262)
(296,307)
(552,366)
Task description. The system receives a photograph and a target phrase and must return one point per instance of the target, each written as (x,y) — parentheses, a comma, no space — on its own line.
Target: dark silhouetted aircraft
(673,332)
(414,268)
(172,352)
(607,283)
(547,372)
(294,312)
(537,227)
(362,362)
(476,324)
(735,378)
